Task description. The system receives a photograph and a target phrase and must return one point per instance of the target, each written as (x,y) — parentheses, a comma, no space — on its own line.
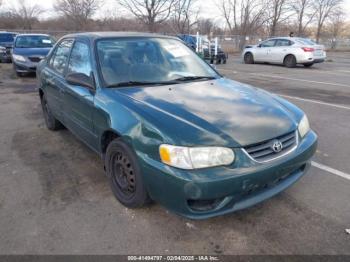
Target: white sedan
(288,51)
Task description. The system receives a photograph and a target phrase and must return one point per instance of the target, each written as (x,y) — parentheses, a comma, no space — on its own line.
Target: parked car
(29,50)
(6,43)
(169,127)
(191,41)
(288,51)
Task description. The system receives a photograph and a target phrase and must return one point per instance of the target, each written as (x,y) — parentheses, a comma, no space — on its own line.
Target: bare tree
(244,17)
(79,12)
(26,13)
(149,12)
(276,13)
(184,16)
(337,26)
(305,14)
(228,10)
(324,9)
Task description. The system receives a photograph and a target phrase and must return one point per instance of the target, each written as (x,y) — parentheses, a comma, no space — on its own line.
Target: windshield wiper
(141,83)
(193,78)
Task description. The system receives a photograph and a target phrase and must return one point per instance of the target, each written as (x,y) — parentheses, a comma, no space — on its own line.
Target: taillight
(308,49)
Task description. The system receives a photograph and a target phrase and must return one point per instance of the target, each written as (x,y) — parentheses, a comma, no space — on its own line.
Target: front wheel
(290,61)
(248,58)
(124,175)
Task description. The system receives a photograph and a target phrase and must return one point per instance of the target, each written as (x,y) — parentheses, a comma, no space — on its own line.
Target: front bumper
(26,67)
(200,194)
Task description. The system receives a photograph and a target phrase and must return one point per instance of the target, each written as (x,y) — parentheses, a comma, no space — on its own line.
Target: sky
(208,7)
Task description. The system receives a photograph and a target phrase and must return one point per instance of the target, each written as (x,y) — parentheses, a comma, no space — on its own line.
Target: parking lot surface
(55,199)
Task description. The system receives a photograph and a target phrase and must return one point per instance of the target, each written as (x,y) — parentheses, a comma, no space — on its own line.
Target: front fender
(123,118)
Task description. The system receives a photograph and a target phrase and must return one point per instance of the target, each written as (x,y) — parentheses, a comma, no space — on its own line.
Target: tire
(51,122)
(308,65)
(290,61)
(225,61)
(124,174)
(248,58)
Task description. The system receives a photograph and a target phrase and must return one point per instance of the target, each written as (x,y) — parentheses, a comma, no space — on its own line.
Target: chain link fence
(229,43)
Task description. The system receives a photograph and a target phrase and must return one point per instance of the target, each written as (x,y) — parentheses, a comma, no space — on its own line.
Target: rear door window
(60,58)
(283,42)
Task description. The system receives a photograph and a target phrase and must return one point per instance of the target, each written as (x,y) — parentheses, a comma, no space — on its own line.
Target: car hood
(218,112)
(31,51)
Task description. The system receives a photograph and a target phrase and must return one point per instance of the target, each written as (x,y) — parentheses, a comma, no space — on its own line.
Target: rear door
(262,52)
(53,77)
(78,103)
(280,50)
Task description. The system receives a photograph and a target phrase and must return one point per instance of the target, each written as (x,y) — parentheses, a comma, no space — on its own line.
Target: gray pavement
(55,199)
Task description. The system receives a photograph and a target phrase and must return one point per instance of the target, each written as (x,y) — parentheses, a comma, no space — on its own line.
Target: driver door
(263,51)
(78,100)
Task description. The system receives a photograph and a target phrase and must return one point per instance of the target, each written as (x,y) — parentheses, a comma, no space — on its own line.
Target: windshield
(34,41)
(6,38)
(150,60)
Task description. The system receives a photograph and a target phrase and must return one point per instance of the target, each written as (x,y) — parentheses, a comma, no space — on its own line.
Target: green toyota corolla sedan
(169,128)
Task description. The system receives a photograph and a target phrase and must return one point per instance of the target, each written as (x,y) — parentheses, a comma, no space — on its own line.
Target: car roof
(286,38)
(33,35)
(5,32)
(99,35)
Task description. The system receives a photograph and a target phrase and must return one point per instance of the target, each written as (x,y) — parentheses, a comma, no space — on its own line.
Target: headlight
(19,58)
(304,126)
(2,49)
(195,157)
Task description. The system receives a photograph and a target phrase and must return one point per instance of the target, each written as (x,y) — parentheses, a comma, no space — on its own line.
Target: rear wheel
(124,175)
(248,58)
(290,61)
(51,122)
(308,64)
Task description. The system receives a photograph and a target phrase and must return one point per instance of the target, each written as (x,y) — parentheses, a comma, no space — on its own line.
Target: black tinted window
(283,42)
(80,59)
(7,37)
(268,43)
(60,58)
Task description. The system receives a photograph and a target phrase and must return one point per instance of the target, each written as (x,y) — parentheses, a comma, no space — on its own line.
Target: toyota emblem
(277,146)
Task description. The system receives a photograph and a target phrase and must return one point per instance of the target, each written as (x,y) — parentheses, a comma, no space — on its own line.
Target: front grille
(263,152)
(35,59)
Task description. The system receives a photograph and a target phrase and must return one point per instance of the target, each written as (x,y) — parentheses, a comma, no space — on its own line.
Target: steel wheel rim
(123,175)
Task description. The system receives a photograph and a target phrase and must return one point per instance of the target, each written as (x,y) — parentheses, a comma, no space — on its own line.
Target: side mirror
(79,79)
(259,45)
